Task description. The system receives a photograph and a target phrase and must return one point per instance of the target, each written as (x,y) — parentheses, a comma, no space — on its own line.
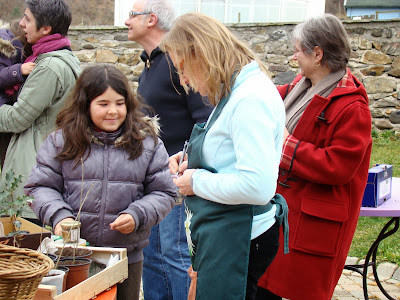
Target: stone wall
(375,57)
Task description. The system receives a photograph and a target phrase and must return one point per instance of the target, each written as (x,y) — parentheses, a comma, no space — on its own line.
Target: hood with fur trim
(153,122)
(7,47)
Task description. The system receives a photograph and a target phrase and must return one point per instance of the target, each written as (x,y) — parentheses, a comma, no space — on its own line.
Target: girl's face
(108,111)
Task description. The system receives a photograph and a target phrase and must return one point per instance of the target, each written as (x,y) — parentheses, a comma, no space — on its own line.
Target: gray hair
(328,33)
(164,11)
(54,13)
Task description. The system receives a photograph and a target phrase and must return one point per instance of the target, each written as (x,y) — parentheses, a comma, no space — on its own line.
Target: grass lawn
(385,149)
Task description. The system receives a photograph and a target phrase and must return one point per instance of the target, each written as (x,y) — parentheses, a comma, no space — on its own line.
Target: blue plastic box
(379,185)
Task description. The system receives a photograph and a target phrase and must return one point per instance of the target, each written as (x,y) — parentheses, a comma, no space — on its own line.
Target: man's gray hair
(164,11)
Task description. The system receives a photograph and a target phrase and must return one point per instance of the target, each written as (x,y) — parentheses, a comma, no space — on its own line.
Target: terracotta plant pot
(78,271)
(80,252)
(55,277)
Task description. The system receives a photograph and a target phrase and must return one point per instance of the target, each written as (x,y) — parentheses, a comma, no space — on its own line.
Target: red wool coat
(323,174)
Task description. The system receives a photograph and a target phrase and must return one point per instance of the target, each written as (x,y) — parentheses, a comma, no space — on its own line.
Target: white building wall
(237,11)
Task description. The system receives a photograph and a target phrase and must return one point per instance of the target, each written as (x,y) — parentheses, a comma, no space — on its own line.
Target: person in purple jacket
(13,72)
(103,136)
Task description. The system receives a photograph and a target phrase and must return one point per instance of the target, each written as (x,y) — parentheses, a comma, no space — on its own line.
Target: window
(240,11)
(213,8)
(267,12)
(183,6)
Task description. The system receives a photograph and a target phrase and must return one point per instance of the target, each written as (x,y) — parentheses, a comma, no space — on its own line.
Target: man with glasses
(166,259)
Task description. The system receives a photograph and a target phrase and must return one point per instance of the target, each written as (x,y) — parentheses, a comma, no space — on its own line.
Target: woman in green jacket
(33,116)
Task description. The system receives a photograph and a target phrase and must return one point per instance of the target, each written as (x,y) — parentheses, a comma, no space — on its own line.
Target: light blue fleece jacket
(244,145)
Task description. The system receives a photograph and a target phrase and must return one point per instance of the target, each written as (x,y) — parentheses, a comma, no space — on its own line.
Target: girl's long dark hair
(74,119)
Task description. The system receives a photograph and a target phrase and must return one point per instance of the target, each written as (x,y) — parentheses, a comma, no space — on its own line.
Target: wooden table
(389,208)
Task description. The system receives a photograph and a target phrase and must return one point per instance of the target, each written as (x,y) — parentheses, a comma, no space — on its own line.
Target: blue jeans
(167,259)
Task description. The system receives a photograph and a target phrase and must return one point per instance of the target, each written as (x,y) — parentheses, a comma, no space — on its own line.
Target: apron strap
(217,111)
(281,216)
(260,209)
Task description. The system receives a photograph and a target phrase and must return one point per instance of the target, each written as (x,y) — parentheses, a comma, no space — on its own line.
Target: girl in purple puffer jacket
(107,148)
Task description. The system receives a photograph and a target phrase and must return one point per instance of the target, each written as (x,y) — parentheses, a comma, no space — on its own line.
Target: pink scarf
(47,44)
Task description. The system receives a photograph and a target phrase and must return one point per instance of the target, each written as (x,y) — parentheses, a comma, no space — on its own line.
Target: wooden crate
(31,240)
(95,284)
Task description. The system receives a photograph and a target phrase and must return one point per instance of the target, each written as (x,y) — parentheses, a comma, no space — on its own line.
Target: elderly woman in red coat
(324,166)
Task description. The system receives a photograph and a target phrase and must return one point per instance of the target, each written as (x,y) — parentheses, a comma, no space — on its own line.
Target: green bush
(10,205)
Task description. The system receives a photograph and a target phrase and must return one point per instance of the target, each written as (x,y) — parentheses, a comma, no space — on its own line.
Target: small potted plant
(12,206)
(75,259)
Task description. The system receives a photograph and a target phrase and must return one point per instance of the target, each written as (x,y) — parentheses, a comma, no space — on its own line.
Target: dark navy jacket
(160,88)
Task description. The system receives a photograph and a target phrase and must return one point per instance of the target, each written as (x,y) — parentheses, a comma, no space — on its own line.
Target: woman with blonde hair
(229,179)
(324,165)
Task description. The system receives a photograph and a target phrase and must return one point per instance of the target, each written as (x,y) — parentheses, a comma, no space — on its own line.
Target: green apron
(218,234)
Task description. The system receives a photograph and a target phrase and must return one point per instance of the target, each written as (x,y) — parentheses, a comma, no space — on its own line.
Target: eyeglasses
(133,14)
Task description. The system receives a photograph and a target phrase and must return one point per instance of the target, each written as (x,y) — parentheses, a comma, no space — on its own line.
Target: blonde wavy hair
(207,51)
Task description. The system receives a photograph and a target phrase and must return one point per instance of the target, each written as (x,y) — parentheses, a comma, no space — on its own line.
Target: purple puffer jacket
(142,188)
(10,63)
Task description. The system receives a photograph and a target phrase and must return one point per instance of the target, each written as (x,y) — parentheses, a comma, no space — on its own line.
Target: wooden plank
(45,292)
(97,283)
(108,251)
(31,240)
(25,225)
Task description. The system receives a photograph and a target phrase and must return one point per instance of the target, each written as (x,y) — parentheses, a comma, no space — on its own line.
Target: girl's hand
(124,224)
(184,182)
(174,160)
(27,68)
(57,229)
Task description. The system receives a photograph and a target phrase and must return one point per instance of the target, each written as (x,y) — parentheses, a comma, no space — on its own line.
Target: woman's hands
(183,182)
(174,160)
(57,229)
(183,175)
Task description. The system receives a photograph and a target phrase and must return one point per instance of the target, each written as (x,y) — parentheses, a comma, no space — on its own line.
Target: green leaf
(9,205)
(4,195)
(12,211)
(10,176)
